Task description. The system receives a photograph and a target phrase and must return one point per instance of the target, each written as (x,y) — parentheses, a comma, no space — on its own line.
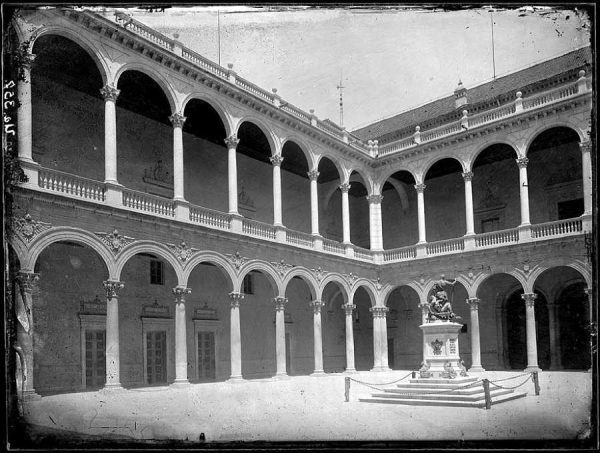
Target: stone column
(375,228)
(313,175)
(348,308)
(177,120)
(232,142)
(421,209)
(554,334)
(276,161)
(586,164)
(280,335)
(345,188)
(110,94)
(524,190)
(235,337)
(113,379)
(532,362)
(24,119)
(318,341)
(475,337)
(380,359)
(468,176)
(27,282)
(181,359)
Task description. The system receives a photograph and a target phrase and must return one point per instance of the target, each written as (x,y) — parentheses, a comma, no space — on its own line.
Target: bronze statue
(439,305)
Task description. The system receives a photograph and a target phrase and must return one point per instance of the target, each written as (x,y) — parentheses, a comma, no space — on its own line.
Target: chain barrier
(383,383)
(515,387)
(512,377)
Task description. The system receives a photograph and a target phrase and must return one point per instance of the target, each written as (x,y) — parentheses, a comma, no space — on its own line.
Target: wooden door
(95,358)
(156,356)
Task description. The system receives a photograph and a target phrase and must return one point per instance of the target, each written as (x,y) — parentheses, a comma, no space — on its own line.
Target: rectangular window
(156,356)
(157,275)
(206,356)
(492,224)
(95,358)
(247,286)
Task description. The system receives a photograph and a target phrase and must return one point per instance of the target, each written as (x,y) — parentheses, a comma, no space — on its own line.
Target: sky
(388,59)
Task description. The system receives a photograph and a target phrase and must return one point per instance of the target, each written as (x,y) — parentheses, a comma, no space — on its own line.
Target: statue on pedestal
(439,304)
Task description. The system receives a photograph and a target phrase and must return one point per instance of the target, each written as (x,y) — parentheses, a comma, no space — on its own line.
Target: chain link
(512,388)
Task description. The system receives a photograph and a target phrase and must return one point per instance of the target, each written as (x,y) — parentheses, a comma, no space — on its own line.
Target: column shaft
(475,336)
(349,337)
(586,164)
(345,213)
(314,202)
(280,335)
(110,94)
(25,331)
(277,216)
(532,360)
(524,190)
(178,172)
(235,338)
(421,211)
(375,228)
(317,335)
(468,176)
(113,379)
(232,143)
(180,335)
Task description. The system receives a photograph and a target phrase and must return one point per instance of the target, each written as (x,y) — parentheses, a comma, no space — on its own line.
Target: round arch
(225,117)
(264,268)
(148,247)
(306,276)
(385,295)
(334,161)
(360,177)
(519,279)
(339,281)
(271,137)
(369,288)
(431,162)
(19,248)
(473,156)
(306,150)
(535,133)
(162,82)
(213,258)
(384,177)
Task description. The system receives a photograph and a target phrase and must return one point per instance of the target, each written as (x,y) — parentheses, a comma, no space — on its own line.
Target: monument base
(440,350)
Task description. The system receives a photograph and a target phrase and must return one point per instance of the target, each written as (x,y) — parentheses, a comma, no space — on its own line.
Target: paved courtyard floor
(306,408)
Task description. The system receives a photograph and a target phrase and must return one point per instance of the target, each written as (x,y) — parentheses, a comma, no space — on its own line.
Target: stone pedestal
(440,346)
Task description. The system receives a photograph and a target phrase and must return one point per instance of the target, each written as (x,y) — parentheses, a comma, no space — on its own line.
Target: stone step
(420,391)
(438,386)
(448,403)
(457,380)
(444,396)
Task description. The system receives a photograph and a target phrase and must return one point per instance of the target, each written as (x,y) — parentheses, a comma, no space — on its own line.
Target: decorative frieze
(27,228)
(114,240)
(350,278)
(282,267)
(110,93)
(182,251)
(112,287)
(232,141)
(319,274)
(237,260)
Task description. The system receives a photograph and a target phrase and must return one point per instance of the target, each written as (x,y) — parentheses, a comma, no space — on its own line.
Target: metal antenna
(341,88)
(219,34)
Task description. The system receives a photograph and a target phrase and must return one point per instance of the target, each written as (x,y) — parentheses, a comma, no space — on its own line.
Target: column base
(317,373)
(237,379)
(532,369)
(178,383)
(378,369)
(350,371)
(112,387)
(280,377)
(476,369)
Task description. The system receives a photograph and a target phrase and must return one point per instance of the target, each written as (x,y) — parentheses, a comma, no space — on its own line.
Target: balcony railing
(333,247)
(557,228)
(400,254)
(148,203)
(494,238)
(258,229)
(445,246)
(299,238)
(208,217)
(58,181)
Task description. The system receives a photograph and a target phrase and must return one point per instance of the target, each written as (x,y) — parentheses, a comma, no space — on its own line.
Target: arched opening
(299,338)
(146,321)
(444,200)
(363,331)
(295,188)
(555,176)
(333,327)
(205,156)
(144,135)
(568,317)
(399,213)
(257,326)
(359,211)
(495,186)
(208,317)
(255,174)
(405,338)
(69,355)
(330,200)
(67,108)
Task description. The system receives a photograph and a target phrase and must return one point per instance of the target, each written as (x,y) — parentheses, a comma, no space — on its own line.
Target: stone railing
(300,114)
(254,89)
(144,31)
(333,247)
(494,238)
(58,181)
(489,116)
(557,228)
(445,246)
(208,217)
(204,63)
(363,254)
(299,238)
(551,96)
(441,131)
(400,145)
(148,203)
(258,229)
(400,254)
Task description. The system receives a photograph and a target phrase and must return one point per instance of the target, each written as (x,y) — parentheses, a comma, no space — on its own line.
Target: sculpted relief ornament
(115,241)
(319,274)
(182,251)
(282,267)
(27,228)
(237,260)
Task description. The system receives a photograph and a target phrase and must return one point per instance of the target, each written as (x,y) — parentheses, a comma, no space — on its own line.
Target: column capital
(236,298)
(280,303)
(276,160)
(180,292)
(529,299)
(374,199)
(349,308)
(112,287)
(177,119)
(345,187)
(232,141)
(379,312)
(473,303)
(586,146)
(467,176)
(27,280)
(316,306)
(522,162)
(110,93)
(420,188)
(25,58)
(313,175)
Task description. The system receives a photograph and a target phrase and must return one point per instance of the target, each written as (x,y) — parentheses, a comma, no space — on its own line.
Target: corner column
(27,282)
(420,188)
(532,360)
(380,359)
(232,142)
(345,188)
(235,337)
(181,360)
(475,336)
(468,177)
(24,118)
(348,308)
(318,340)
(276,161)
(113,378)
(313,175)
(586,164)
(177,120)
(375,228)
(280,335)
(524,190)
(110,94)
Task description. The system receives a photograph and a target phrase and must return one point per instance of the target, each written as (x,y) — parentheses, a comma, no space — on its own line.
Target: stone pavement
(306,408)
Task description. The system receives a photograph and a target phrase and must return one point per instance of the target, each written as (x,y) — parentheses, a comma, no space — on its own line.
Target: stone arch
(369,288)
(482,279)
(149,247)
(58,234)
(388,290)
(362,178)
(267,270)
(306,276)
(214,258)
(19,248)
(271,137)
(162,82)
(339,280)
(561,262)
(336,163)
(431,162)
(79,39)
(306,150)
(225,117)
(387,175)
(473,156)
(535,133)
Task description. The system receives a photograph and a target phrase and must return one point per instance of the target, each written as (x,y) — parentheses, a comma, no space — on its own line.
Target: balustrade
(148,203)
(254,89)
(445,246)
(497,237)
(363,254)
(58,181)
(258,229)
(204,216)
(299,238)
(559,227)
(400,254)
(333,247)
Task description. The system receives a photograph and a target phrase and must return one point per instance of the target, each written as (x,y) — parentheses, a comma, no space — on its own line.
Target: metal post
(536,382)
(347,390)
(486,390)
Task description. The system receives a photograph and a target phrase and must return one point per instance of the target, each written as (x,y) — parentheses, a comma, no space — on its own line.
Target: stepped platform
(459,392)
